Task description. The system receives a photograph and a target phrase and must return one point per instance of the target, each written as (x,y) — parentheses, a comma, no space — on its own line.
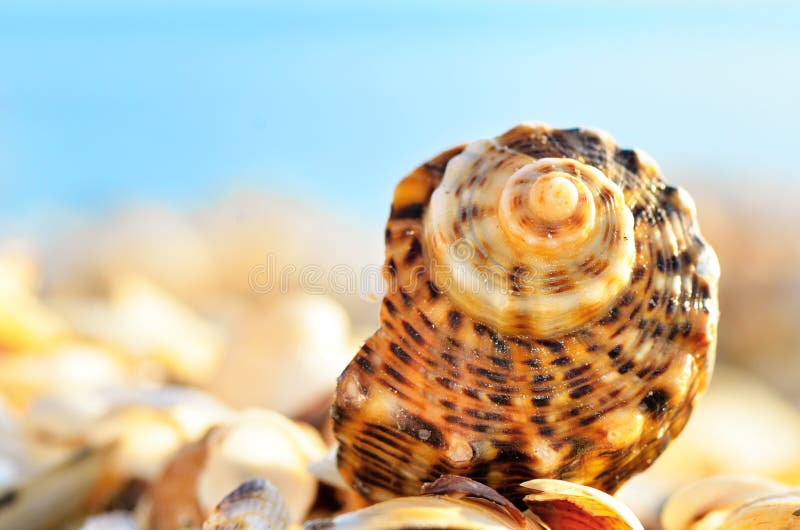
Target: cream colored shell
(551,312)
(510,239)
(733,503)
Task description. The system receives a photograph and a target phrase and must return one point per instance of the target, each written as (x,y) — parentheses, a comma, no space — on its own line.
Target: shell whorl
(444,387)
(511,240)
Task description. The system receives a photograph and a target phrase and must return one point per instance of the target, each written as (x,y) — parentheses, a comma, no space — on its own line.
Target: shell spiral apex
(551,313)
(529,228)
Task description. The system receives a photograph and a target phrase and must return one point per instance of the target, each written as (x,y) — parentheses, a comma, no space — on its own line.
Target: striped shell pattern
(551,312)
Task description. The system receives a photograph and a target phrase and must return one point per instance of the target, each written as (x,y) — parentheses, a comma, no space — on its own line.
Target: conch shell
(551,312)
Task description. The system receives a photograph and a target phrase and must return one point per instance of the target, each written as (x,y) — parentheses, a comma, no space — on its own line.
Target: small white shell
(111,521)
(262,443)
(252,444)
(254,505)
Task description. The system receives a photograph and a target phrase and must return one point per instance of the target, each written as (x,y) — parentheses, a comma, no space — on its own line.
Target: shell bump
(551,312)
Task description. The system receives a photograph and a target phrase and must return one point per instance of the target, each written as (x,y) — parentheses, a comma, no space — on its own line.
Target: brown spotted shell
(551,312)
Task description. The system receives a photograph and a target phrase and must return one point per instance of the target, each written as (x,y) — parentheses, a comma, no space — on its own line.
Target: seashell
(737,418)
(254,505)
(458,502)
(779,512)
(111,521)
(252,444)
(145,428)
(66,367)
(151,326)
(449,502)
(566,506)
(299,337)
(733,502)
(55,493)
(551,312)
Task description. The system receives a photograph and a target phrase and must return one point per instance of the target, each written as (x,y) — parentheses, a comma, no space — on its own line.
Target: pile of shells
(547,326)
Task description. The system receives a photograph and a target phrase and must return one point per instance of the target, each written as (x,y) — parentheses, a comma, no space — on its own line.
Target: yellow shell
(551,312)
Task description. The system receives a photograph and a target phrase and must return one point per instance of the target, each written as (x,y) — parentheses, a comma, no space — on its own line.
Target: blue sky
(336,101)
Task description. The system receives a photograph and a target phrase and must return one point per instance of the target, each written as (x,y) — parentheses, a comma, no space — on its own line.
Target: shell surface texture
(550,312)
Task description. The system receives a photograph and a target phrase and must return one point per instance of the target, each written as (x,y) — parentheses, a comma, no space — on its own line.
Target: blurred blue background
(100,105)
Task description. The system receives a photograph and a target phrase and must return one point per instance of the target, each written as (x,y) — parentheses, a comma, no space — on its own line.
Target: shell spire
(551,313)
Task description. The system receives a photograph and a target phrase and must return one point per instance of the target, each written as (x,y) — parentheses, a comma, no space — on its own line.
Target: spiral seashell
(551,312)
(254,505)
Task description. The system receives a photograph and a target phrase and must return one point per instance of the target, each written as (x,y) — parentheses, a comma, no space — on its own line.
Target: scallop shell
(551,312)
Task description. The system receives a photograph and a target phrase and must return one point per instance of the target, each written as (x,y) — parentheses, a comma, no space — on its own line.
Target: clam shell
(732,502)
(501,386)
(451,502)
(459,503)
(565,506)
(254,505)
(778,512)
